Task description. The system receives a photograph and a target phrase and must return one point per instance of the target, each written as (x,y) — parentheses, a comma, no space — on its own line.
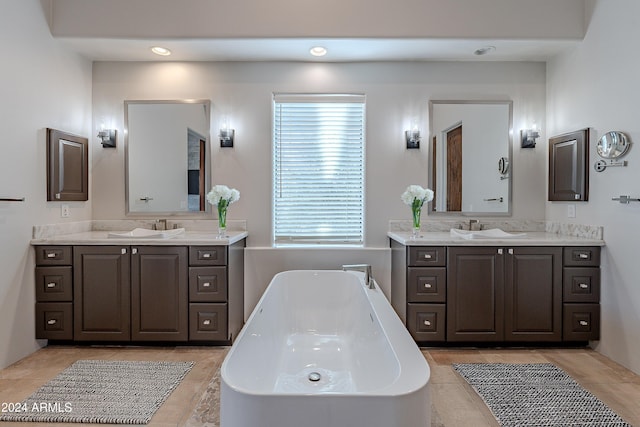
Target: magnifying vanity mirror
(468,138)
(167,157)
(612,145)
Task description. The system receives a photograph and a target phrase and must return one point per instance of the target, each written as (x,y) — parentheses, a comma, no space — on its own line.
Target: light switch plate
(571,211)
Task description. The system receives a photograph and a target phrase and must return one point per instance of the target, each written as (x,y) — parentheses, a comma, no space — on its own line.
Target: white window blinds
(318,158)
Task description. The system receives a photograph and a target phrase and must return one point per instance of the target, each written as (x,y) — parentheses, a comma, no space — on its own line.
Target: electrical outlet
(571,211)
(64,211)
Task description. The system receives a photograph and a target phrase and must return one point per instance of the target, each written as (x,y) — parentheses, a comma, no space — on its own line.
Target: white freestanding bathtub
(321,349)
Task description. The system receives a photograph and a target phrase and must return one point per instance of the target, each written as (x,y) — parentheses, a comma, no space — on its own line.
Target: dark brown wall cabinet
(569,166)
(140,293)
(497,294)
(67,166)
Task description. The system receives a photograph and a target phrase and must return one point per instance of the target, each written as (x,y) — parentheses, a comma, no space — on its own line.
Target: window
(318,174)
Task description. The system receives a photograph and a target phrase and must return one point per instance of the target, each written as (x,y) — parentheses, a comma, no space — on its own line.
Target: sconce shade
(226,137)
(108,138)
(413,138)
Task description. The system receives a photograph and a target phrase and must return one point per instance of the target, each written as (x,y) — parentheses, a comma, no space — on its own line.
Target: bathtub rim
(414,372)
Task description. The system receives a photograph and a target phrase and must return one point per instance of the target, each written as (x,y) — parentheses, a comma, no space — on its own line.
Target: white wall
(596,86)
(396,95)
(41,85)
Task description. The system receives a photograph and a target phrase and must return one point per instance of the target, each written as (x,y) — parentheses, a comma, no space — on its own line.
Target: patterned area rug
(101,391)
(539,394)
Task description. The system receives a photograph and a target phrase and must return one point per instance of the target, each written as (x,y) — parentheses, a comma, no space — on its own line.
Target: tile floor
(454,402)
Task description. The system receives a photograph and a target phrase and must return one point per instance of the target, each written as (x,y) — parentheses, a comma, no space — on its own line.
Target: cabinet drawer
(207,284)
(54,284)
(207,255)
(54,320)
(426,322)
(581,322)
(427,256)
(427,284)
(582,256)
(208,322)
(53,255)
(581,284)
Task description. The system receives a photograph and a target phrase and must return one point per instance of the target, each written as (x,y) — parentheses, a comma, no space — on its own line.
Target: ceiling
(297,49)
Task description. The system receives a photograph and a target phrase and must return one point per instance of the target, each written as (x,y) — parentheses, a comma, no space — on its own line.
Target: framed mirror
(467,140)
(167,157)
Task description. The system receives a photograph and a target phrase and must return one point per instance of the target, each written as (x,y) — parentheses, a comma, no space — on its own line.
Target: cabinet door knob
(51,285)
(427,323)
(52,322)
(206,284)
(427,285)
(510,251)
(583,286)
(584,323)
(206,255)
(427,256)
(123,251)
(134,251)
(500,251)
(51,255)
(583,256)
(206,322)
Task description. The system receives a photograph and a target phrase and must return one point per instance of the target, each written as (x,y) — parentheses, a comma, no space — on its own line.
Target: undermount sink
(144,233)
(493,233)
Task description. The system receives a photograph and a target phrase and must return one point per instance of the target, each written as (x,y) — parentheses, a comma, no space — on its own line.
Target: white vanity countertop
(532,238)
(193,238)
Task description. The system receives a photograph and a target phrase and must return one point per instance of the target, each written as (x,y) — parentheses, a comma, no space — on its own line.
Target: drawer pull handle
(427,323)
(52,322)
(583,286)
(427,285)
(206,322)
(584,323)
(51,285)
(51,255)
(206,284)
(206,255)
(427,256)
(583,256)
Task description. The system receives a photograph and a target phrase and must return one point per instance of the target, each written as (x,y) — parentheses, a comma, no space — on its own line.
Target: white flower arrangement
(222,195)
(415,196)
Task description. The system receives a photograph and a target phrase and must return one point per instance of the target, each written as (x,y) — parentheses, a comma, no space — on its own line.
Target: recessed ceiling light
(484,50)
(162,51)
(318,51)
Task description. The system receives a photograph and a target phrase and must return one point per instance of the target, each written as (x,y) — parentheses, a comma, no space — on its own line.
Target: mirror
(468,140)
(612,145)
(167,157)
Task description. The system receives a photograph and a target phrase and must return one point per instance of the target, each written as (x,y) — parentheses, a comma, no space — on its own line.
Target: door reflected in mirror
(167,157)
(468,140)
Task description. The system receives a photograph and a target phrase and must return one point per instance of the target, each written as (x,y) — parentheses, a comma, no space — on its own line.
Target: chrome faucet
(366,269)
(160,224)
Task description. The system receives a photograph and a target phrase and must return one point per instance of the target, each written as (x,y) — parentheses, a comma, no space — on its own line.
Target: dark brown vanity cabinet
(130,293)
(140,293)
(581,293)
(504,294)
(497,294)
(159,288)
(54,292)
(102,293)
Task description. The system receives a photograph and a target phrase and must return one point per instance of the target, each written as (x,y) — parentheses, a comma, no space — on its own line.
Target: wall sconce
(413,137)
(108,137)
(226,137)
(528,136)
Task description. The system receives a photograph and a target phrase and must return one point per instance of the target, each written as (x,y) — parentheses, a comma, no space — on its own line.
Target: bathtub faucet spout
(365,268)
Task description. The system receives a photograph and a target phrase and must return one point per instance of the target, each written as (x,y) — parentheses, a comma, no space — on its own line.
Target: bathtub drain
(314,376)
